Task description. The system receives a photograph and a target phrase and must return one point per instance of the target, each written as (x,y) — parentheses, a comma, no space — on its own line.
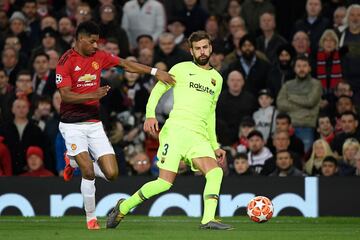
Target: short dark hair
(303,58)
(284,151)
(23,72)
(87,28)
(331,159)
(344,96)
(43,99)
(241,155)
(283,115)
(323,115)
(198,36)
(144,36)
(40,54)
(350,113)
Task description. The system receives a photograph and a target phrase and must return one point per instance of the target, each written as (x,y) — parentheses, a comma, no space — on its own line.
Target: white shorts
(85,137)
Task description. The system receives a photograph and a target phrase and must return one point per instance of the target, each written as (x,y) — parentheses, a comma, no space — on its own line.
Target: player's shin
(211,193)
(88,193)
(145,192)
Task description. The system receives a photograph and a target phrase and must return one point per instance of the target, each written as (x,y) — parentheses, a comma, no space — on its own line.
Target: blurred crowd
(289,104)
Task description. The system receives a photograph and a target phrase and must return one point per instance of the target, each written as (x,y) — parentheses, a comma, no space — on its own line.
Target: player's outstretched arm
(68,96)
(135,67)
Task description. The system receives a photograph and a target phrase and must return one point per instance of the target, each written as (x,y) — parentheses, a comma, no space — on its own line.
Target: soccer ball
(260,209)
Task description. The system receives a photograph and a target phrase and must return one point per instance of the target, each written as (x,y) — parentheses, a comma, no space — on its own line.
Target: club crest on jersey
(58,79)
(95,65)
(213,82)
(73,147)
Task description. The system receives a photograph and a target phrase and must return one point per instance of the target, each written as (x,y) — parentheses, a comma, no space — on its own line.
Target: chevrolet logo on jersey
(87,78)
(201,88)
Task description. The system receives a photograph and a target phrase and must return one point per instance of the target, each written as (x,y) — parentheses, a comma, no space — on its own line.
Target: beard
(284,64)
(202,60)
(248,56)
(303,77)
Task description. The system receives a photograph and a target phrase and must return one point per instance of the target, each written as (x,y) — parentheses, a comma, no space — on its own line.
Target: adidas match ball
(260,209)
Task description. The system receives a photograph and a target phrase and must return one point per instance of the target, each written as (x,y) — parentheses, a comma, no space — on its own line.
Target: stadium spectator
(241,165)
(254,69)
(152,17)
(281,142)
(42,112)
(265,116)
(69,10)
(194,16)
(349,123)
(325,128)
(213,29)
(329,167)
(53,58)
(233,9)
(217,59)
(300,98)
(320,150)
(146,57)
(43,78)
(12,41)
(29,8)
(50,41)
(24,89)
(338,18)
(269,41)
(282,70)
(83,13)
(10,63)
(145,41)
(247,125)
(4,23)
(48,21)
(35,163)
(301,43)
(251,10)
(284,166)
(141,164)
(343,104)
(18,26)
(168,52)
(258,154)
(66,30)
(283,123)
(234,55)
(5,159)
(21,133)
(230,108)
(235,25)
(314,24)
(177,27)
(6,91)
(350,39)
(44,8)
(110,28)
(357,170)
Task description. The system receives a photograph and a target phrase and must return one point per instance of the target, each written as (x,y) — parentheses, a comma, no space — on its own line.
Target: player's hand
(220,156)
(151,126)
(101,92)
(165,77)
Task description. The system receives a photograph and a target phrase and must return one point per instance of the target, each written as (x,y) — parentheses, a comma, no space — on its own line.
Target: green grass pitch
(179,227)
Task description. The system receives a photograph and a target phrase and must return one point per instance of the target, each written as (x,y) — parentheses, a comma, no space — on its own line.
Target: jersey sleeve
(110,60)
(211,126)
(63,77)
(159,90)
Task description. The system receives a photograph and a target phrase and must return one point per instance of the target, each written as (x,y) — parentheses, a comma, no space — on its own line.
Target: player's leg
(169,159)
(213,174)
(105,165)
(77,147)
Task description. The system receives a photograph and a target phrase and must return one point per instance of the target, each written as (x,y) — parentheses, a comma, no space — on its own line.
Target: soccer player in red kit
(78,79)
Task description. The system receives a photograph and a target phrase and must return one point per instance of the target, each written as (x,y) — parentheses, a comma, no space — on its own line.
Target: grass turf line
(179,227)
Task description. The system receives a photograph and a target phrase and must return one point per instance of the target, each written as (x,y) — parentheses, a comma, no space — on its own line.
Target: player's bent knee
(88,174)
(164,185)
(112,174)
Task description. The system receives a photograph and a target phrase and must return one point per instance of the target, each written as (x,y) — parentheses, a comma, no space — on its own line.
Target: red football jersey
(82,74)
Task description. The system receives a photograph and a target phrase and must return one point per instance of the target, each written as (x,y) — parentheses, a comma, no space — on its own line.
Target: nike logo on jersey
(77,68)
(192,74)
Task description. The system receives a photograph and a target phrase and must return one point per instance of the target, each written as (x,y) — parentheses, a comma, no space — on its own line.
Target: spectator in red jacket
(35,163)
(5,159)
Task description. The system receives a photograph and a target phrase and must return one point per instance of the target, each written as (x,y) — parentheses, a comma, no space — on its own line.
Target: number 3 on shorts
(166,147)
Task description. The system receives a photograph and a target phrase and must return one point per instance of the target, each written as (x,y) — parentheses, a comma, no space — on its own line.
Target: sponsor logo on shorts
(73,146)
(201,88)
(95,65)
(162,160)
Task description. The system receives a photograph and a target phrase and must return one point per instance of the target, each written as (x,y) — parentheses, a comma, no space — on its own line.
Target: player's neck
(206,66)
(77,49)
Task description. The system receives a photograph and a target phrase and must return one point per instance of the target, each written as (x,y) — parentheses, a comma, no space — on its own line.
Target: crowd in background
(289,104)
